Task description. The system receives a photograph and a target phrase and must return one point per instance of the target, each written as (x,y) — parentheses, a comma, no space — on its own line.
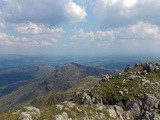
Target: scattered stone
(133,77)
(144,72)
(59,107)
(70,104)
(79,110)
(121,93)
(105,78)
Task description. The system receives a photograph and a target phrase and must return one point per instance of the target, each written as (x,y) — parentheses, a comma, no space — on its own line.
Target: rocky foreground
(132,95)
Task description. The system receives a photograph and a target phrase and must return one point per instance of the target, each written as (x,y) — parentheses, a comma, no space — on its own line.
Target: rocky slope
(131,95)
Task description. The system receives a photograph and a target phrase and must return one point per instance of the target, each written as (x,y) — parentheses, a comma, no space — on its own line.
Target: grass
(7,116)
(111,88)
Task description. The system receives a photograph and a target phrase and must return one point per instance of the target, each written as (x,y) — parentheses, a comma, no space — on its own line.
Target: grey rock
(150,101)
(88,100)
(30,113)
(133,108)
(156,116)
(144,72)
(25,116)
(59,107)
(133,77)
(112,113)
(65,115)
(105,78)
(120,112)
(146,116)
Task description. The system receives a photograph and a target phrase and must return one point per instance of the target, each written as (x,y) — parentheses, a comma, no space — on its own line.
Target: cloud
(32,35)
(118,13)
(138,31)
(2,25)
(93,36)
(12,41)
(50,12)
(140,37)
(30,28)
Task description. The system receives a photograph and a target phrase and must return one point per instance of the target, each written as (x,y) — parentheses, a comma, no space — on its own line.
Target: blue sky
(85,27)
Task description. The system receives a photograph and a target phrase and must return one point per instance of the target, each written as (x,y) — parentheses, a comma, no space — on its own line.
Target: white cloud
(139,31)
(93,36)
(117,13)
(2,25)
(43,11)
(15,41)
(30,28)
(33,35)
(133,38)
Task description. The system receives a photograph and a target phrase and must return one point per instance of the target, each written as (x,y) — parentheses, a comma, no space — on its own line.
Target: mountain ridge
(60,80)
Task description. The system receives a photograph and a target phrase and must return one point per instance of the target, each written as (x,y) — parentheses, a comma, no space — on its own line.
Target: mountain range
(22,85)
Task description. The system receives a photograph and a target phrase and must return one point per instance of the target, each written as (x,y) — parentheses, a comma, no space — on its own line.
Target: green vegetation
(132,89)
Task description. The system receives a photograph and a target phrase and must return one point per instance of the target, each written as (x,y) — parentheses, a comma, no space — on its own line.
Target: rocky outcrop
(28,113)
(151,67)
(146,108)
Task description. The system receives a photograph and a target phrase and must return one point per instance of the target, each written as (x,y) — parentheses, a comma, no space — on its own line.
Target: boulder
(155,116)
(112,113)
(65,115)
(25,116)
(33,111)
(120,112)
(30,113)
(133,108)
(86,99)
(150,101)
(129,116)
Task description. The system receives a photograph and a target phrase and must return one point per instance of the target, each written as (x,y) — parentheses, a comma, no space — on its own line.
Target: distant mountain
(13,78)
(69,75)
(48,81)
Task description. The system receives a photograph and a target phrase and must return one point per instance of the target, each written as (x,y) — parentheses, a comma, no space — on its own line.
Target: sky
(80,27)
